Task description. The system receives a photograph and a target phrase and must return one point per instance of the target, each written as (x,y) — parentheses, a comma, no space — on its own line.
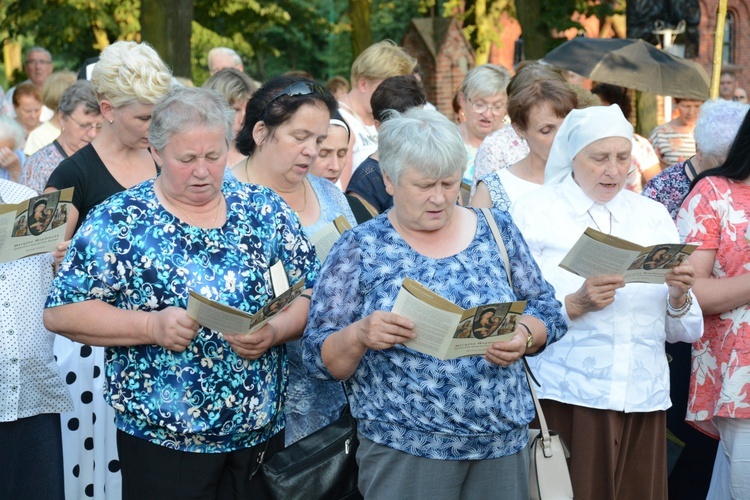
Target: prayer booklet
(34,226)
(598,254)
(228,320)
(324,239)
(447,331)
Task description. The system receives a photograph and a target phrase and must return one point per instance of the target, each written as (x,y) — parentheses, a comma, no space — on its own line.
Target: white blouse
(611,359)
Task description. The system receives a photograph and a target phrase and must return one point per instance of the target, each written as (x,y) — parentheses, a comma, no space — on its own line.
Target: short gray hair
(423,140)
(717,127)
(80,92)
(236,59)
(186,107)
(11,129)
(484,81)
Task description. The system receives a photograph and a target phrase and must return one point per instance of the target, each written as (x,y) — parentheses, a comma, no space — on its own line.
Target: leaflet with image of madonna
(599,254)
(447,331)
(34,226)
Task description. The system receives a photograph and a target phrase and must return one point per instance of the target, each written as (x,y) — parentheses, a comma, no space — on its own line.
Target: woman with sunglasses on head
(286,122)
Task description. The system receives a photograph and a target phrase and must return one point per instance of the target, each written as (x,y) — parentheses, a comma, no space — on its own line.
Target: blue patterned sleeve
(90,269)
(336,302)
(528,282)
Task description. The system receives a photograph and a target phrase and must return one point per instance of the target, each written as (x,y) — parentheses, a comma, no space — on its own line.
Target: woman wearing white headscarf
(605,384)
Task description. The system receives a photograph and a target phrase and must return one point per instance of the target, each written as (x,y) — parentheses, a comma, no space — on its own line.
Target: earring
(111,122)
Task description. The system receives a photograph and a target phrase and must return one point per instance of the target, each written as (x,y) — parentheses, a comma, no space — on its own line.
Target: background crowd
(180,189)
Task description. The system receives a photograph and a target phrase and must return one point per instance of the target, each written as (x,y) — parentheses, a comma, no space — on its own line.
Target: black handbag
(319,466)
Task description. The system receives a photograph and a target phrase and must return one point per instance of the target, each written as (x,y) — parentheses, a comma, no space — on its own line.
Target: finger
(394,319)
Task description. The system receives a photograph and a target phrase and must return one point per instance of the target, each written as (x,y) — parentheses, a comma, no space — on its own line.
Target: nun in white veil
(605,384)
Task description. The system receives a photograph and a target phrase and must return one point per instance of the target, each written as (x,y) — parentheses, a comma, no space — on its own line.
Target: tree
(359,12)
(166,25)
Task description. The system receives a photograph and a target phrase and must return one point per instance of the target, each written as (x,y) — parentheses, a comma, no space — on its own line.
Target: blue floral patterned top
(459,409)
(669,187)
(132,253)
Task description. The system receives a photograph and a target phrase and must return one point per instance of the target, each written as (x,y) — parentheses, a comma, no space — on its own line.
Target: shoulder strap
(530,376)
(499,240)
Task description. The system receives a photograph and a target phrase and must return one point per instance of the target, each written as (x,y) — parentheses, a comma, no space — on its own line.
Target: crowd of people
(111,389)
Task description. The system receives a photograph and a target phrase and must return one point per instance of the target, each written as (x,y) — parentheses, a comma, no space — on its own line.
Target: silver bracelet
(683,310)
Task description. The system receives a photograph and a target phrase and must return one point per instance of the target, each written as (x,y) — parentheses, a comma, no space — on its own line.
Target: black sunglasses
(297,89)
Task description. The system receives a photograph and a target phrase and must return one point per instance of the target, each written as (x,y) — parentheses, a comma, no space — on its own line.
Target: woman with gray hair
(605,384)
(194,407)
(12,157)
(80,121)
(714,133)
(483,104)
(430,428)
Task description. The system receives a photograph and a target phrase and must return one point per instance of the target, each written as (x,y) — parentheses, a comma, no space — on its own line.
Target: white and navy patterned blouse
(132,253)
(459,409)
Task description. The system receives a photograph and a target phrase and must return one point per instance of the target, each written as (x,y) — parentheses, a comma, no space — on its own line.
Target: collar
(580,201)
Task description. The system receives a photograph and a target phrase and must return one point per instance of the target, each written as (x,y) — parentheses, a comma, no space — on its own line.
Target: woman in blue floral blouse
(428,428)
(193,407)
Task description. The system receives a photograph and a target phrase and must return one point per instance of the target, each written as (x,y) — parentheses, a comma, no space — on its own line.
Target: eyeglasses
(86,126)
(497,110)
(38,62)
(297,89)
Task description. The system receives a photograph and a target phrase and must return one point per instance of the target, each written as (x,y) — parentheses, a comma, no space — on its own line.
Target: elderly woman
(80,122)
(605,385)
(286,122)
(54,87)
(27,104)
(193,407)
(536,112)
(12,158)
(715,216)
(673,141)
(237,88)
(128,80)
(483,104)
(430,428)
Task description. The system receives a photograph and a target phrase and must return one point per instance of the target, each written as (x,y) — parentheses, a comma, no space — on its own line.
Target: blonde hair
(55,86)
(130,72)
(382,60)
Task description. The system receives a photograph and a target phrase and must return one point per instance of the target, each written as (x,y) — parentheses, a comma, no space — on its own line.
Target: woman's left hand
(253,345)
(680,280)
(505,353)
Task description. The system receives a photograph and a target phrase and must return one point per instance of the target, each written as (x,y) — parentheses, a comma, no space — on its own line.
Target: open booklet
(228,320)
(447,331)
(324,239)
(598,254)
(34,226)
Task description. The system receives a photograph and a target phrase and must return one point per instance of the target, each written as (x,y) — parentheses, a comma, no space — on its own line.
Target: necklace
(190,219)
(597,225)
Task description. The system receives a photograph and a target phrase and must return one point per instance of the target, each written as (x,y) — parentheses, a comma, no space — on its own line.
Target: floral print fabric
(458,409)
(715,215)
(133,254)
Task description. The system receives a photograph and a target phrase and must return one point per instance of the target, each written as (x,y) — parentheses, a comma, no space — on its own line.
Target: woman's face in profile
(131,124)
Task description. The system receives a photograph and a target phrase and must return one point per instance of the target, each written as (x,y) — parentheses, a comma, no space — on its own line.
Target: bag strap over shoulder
(546,441)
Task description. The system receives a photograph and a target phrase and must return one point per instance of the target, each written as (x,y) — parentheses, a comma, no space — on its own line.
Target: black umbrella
(634,64)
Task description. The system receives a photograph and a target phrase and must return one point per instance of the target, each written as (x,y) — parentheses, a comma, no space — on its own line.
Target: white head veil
(579,129)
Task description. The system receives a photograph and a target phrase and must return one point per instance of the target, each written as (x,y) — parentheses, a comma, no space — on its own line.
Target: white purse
(549,477)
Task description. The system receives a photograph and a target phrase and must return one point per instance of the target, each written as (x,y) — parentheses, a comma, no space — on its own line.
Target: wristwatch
(530,338)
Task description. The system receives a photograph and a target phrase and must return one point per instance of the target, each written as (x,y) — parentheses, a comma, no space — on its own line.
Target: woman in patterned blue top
(286,121)
(430,428)
(194,407)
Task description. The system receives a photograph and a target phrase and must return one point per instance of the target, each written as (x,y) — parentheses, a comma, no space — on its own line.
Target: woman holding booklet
(430,428)
(605,385)
(286,122)
(194,407)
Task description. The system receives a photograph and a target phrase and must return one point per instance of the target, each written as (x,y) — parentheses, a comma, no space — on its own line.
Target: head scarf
(579,129)
(337,119)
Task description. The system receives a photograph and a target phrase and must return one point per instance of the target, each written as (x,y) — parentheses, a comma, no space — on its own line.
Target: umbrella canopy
(633,64)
